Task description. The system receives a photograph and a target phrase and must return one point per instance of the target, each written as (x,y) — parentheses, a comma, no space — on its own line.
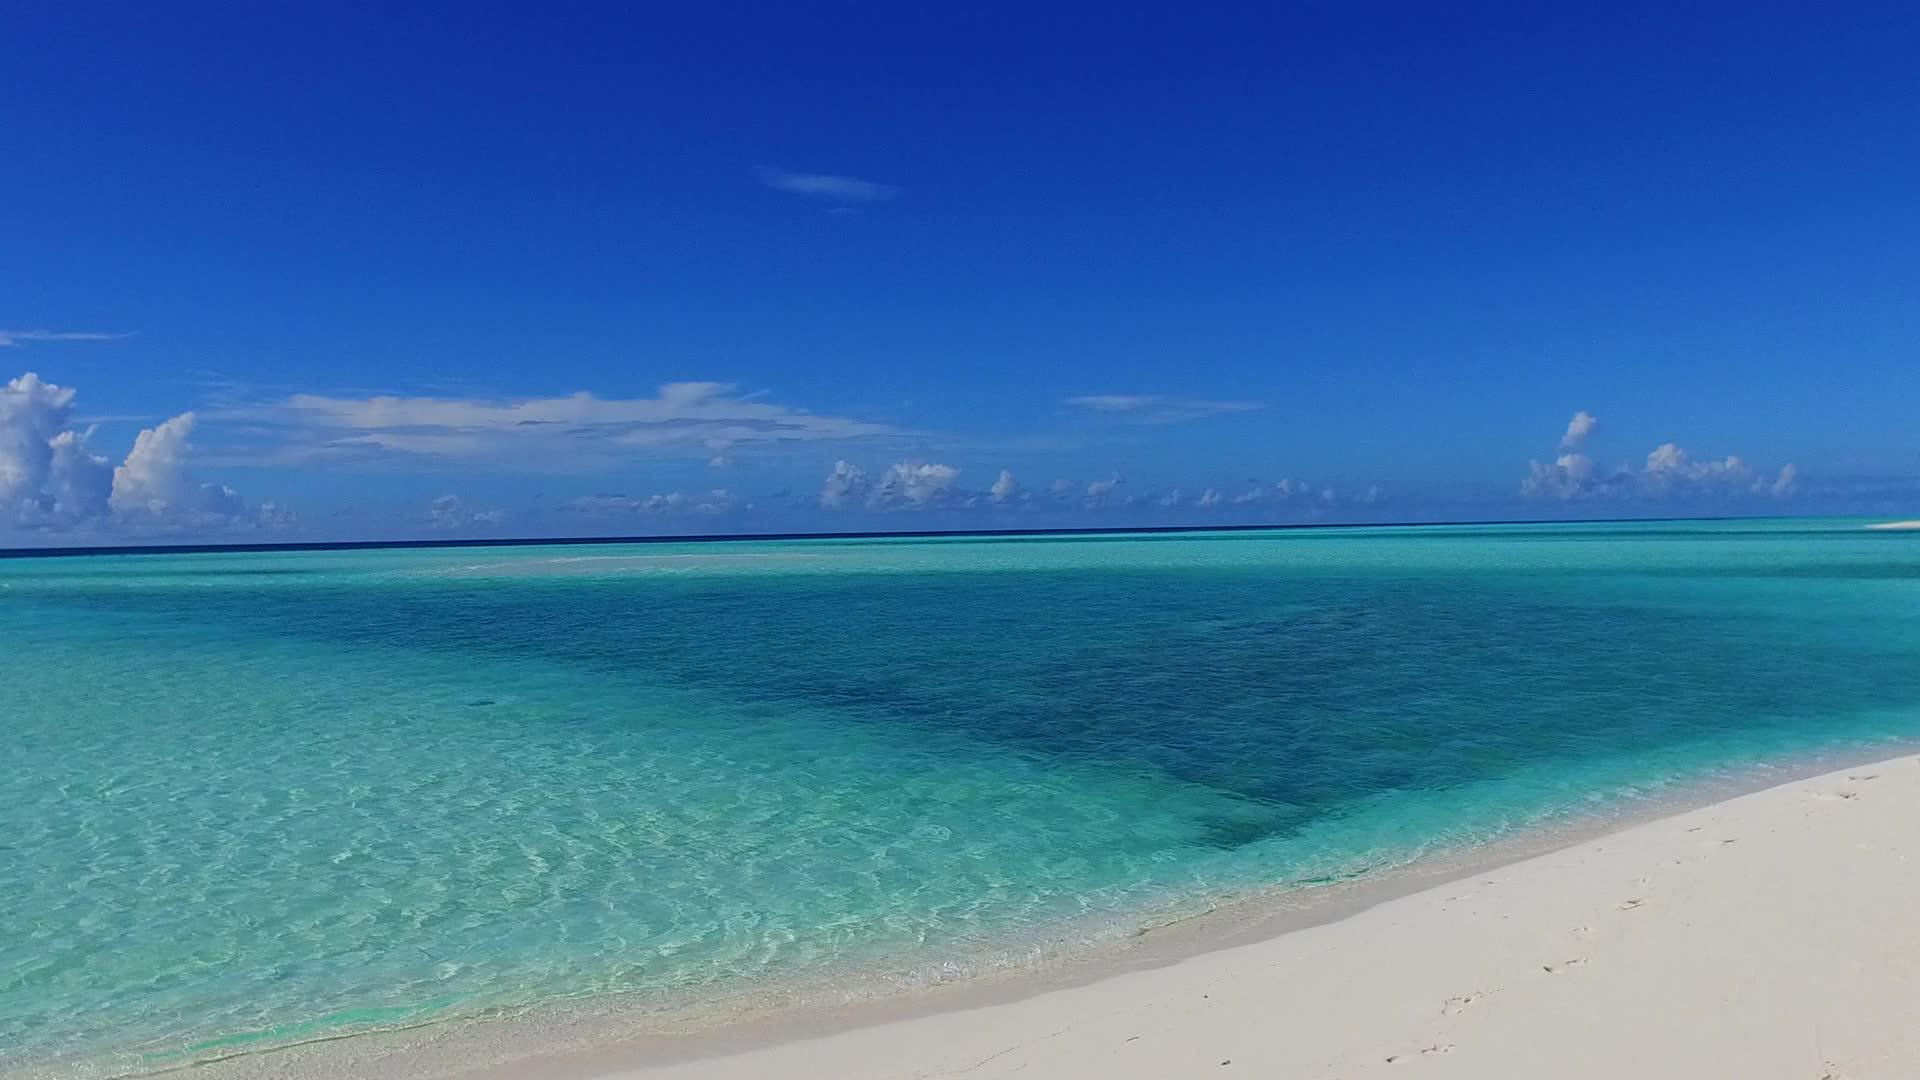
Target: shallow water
(256,798)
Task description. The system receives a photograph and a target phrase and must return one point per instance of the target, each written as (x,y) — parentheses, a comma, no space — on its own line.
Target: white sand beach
(1776,934)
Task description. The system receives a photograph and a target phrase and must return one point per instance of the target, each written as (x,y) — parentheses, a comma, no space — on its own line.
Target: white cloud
(1005,488)
(32,413)
(50,477)
(1277,492)
(1101,493)
(846,485)
(15,338)
(79,482)
(575,432)
(452,512)
(153,485)
(1578,429)
(912,484)
(905,485)
(1300,497)
(839,189)
(916,485)
(1668,466)
(1158,408)
(1667,472)
(715,501)
(1570,476)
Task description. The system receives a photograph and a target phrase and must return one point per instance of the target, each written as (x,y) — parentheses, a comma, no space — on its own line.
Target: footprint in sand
(1629,905)
(1453,1006)
(1582,931)
(1555,969)
(1436,1048)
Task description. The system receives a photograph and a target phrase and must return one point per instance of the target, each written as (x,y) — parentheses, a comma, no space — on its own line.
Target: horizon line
(910,534)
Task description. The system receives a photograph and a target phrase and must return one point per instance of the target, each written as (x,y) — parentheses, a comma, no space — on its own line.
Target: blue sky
(478,270)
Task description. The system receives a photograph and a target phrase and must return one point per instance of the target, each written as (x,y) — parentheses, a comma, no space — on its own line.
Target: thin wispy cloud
(827,187)
(572,433)
(11,339)
(715,501)
(1159,408)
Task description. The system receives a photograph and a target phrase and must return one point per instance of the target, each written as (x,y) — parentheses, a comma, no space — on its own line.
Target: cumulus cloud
(1005,489)
(912,485)
(1279,491)
(1668,466)
(845,486)
(918,485)
(1158,408)
(826,187)
(51,478)
(79,483)
(1668,471)
(1569,476)
(1102,493)
(32,413)
(1578,429)
(906,485)
(153,486)
(575,432)
(15,338)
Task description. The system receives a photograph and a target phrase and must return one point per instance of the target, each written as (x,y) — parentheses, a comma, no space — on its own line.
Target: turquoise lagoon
(256,798)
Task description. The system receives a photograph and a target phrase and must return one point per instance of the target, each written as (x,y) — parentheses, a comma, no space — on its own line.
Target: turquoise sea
(256,798)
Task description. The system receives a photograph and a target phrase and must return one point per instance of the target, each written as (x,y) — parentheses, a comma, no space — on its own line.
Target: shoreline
(1764,935)
(618,1038)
